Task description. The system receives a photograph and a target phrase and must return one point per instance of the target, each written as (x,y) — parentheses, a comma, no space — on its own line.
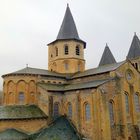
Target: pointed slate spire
(68,28)
(107,57)
(134,50)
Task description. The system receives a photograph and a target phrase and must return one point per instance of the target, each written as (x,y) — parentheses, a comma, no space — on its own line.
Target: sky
(27,26)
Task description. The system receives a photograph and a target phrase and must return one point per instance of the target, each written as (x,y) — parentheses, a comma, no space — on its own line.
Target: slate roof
(107,57)
(99,70)
(35,71)
(61,129)
(21,112)
(60,87)
(68,28)
(134,50)
(13,134)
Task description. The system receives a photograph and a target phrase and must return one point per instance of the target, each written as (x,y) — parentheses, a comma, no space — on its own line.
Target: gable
(125,68)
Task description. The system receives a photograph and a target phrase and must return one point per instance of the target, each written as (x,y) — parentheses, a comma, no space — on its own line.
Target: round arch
(69,110)
(56,109)
(87,111)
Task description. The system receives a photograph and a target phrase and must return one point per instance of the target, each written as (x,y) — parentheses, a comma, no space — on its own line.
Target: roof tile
(60,87)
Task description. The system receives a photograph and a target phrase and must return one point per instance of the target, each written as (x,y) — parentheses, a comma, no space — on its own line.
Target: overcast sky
(26,26)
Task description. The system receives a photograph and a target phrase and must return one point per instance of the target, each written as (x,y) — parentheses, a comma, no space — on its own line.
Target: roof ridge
(36,71)
(99,69)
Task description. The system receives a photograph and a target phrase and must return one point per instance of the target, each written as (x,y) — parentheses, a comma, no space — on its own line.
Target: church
(69,102)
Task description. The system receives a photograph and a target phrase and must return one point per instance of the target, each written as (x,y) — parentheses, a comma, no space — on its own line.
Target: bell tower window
(66,49)
(77,50)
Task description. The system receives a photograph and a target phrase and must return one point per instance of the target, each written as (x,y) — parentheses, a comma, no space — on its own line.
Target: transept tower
(66,53)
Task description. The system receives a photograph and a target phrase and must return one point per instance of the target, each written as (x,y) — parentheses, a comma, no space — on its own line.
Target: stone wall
(13,85)
(28,125)
(74,62)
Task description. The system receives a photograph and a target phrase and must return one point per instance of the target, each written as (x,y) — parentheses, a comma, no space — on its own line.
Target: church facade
(102,103)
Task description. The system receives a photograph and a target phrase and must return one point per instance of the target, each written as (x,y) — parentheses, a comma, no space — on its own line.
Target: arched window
(66,65)
(66,50)
(56,51)
(11,98)
(136,66)
(69,110)
(111,112)
(136,102)
(21,97)
(32,97)
(56,109)
(77,50)
(54,66)
(127,102)
(87,112)
(78,67)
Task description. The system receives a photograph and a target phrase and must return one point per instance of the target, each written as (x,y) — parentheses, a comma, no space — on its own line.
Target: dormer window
(77,50)
(66,50)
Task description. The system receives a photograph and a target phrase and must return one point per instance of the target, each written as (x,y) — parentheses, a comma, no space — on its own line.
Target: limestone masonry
(68,102)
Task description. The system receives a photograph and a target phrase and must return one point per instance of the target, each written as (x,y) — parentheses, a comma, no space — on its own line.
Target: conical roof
(107,57)
(68,28)
(134,50)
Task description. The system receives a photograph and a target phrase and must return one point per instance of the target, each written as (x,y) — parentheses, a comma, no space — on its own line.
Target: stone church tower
(66,53)
(68,102)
